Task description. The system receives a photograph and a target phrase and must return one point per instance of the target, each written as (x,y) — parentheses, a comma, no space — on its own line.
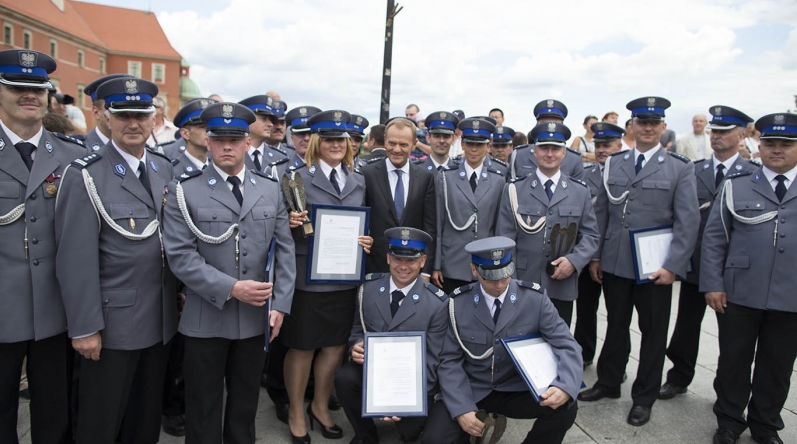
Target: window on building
(102,65)
(54,48)
(27,39)
(80,103)
(8,34)
(159,73)
(80,58)
(134,68)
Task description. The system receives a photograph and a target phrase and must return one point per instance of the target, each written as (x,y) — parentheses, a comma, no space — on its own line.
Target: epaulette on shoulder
(85,161)
(589,166)
(574,151)
(679,157)
(155,152)
(294,167)
(532,285)
(436,291)
(373,276)
(498,161)
(699,160)
(754,163)
(162,144)
(262,174)
(175,161)
(185,176)
(619,153)
(375,159)
(738,174)
(520,147)
(69,139)
(518,179)
(495,172)
(458,291)
(357,171)
(418,161)
(279,161)
(575,180)
(278,149)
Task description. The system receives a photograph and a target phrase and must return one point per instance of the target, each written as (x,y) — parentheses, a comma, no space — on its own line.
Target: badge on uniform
(152,165)
(661,158)
(534,183)
(212,181)
(189,168)
(2,144)
(48,146)
(51,189)
(252,180)
(626,156)
(564,184)
(756,177)
(706,165)
(311,170)
(484,174)
(738,168)
(429,168)
(381,289)
(270,154)
(95,147)
(476,300)
(462,174)
(512,298)
(120,169)
(416,297)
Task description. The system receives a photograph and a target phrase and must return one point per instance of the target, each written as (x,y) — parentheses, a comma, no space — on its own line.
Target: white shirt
(490,300)
(728,164)
(15,139)
(261,149)
(434,162)
(197,163)
(405,290)
(241,176)
(625,147)
(392,178)
(456,149)
(770,175)
(648,154)
(132,160)
(340,178)
(701,145)
(555,178)
(469,171)
(101,135)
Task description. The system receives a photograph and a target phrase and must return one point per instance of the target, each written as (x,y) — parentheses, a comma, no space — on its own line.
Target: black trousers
(275,372)
(451,284)
(349,388)
(124,385)
(565,309)
(209,364)
(685,339)
(740,329)
(550,427)
(174,384)
(652,303)
(586,334)
(48,383)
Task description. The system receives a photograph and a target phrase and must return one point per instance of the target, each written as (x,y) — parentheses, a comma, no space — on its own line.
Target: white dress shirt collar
(469,171)
(102,137)
(15,139)
(241,176)
(770,175)
(131,160)
(490,300)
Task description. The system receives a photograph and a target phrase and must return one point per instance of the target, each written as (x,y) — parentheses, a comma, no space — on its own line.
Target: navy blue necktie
(142,177)
(398,295)
(26,151)
(257,160)
(780,189)
(720,175)
(334,180)
(497,311)
(236,189)
(639,163)
(548,191)
(398,196)
(473,182)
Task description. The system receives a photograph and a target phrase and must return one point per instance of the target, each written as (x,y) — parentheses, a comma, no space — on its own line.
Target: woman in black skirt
(322,314)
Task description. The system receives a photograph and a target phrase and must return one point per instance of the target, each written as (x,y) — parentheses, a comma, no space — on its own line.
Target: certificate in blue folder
(535,362)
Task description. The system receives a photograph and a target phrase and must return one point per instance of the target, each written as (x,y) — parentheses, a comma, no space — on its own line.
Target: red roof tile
(46,12)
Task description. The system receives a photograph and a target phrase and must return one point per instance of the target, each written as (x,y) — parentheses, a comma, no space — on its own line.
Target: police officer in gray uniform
(101,133)
(440,126)
(607,137)
(475,370)
(467,200)
(398,301)
(194,136)
(220,224)
(32,321)
(727,126)
(747,273)
(646,187)
(522,161)
(260,153)
(117,289)
(550,218)
(274,141)
(357,128)
(296,120)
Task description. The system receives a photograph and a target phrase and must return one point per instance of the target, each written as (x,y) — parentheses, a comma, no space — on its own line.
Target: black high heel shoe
(333,432)
(299,439)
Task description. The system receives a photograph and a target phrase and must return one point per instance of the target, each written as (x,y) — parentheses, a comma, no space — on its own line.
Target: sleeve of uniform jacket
(588,236)
(429,221)
(505,224)
(454,382)
(601,209)
(569,368)
(285,260)
(686,221)
(715,247)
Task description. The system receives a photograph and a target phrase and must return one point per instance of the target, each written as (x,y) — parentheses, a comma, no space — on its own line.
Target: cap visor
(131,109)
(405,252)
(473,140)
(26,84)
(440,131)
(225,132)
(333,135)
(496,274)
(784,136)
(720,127)
(550,142)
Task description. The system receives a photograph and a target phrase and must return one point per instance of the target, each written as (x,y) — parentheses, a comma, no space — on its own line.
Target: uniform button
(36,241)
(634,185)
(782,234)
(265,213)
(626,225)
(780,250)
(33,196)
(471,337)
(130,212)
(243,271)
(497,341)
(212,299)
(631,198)
(244,252)
(550,212)
(549,241)
(36,261)
(106,301)
(243,235)
(627,212)
(783,221)
(215,217)
(33,218)
(546,254)
(783,206)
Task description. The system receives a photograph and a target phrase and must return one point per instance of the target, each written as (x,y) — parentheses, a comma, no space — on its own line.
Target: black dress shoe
(670,390)
(358,440)
(768,440)
(725,436)
(639,416)
(596,393)
(333,432)
(174,425)
(263,380)
(281,412)
(334,403)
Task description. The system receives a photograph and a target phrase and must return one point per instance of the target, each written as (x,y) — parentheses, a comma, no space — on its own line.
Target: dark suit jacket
(419,212)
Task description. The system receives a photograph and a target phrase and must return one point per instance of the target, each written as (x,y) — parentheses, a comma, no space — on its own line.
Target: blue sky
(472,55)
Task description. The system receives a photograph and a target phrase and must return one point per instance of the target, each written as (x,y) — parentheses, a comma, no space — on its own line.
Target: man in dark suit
(399,194)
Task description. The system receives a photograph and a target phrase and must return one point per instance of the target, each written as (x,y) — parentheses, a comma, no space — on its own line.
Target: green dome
(188,89)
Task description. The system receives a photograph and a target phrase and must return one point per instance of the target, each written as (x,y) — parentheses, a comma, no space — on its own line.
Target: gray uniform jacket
(570,204)
(522,163)
(706,195)
(319,191)
(92,141)
(663,193)
(458,204)
(429,165)
(120,287)
(465,381)
(172,149)
(209,271)
(756,268)
(30,300)
(425,308)
(593,176)
(183,165)
(497,165)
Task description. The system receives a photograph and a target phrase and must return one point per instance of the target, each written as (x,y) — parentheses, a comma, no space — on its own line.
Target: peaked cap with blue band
(725,118)
(476,130)
(262,104)
(332,124)
(606,131)
(280,108)
(648,108)
(358,125)
(407,242)
(225,119)
(503,135)
(26,68)
(441,122)
(190,112)
(485,118)
(91,89)
(778,126)
(550,108)
(297,117)
(492,257)
(550,133)
(128,95)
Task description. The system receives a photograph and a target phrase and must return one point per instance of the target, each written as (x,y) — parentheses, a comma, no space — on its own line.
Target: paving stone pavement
(685,419)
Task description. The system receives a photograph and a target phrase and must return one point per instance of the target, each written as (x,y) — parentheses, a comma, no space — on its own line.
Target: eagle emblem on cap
(651,101)
(303,111)
(337,116)
(500,130)
(497,255)
(551,127)
(405,234)
(27,59)
(269,101)
(203,104)
(550,103)
(359,121)
(599,126)
(443,115)
(475,125)
(226,110)
(718,111)
(779,119)
(131,86)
